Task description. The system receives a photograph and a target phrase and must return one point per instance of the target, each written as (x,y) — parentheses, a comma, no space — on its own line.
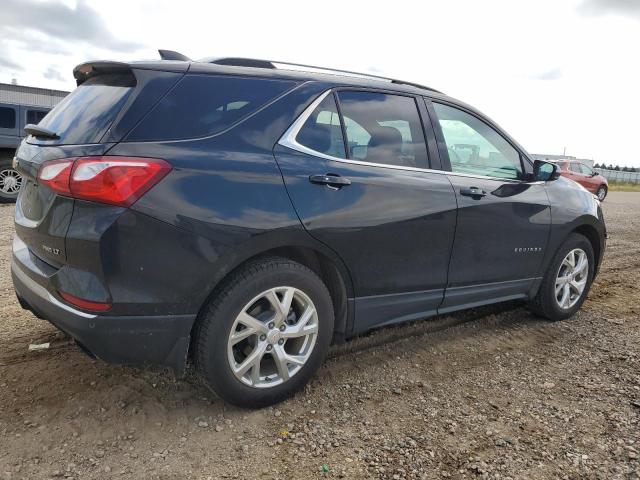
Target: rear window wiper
(42,132)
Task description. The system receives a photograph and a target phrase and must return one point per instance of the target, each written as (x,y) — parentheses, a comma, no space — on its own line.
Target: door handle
(330,179)
(473,192)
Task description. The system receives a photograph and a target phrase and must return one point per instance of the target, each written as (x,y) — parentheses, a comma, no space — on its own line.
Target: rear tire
(246,324)
(601,193)
(10,179)
(555,283)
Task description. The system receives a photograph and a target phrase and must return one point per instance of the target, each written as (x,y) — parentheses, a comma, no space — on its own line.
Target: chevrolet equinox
(243,215)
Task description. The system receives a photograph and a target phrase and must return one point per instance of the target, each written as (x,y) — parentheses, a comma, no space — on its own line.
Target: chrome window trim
(288,140)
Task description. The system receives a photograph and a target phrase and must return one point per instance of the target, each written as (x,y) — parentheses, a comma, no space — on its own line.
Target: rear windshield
(202,105)
(87,113)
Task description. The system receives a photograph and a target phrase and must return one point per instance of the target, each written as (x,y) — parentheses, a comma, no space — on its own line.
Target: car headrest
(385,136)
(385,145)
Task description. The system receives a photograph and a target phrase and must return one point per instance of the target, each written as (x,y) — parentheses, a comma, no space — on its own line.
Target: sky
(558,75)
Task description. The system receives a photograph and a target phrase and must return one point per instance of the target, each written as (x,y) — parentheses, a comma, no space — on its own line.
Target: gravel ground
(490,393)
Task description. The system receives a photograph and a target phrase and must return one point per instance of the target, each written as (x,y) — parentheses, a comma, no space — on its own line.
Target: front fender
(573,209)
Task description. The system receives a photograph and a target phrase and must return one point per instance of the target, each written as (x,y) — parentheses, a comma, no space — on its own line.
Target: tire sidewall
(549,297)
(213,361)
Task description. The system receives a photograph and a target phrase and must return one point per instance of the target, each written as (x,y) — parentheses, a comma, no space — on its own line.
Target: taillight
(56,175)
(114,180)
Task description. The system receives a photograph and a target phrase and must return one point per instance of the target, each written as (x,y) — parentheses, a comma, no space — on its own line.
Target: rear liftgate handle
(331,180)
(473,192)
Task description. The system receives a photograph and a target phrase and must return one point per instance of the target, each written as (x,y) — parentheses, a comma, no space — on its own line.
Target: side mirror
(545,171)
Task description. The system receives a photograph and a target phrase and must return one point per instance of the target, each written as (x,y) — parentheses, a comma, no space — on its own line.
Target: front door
(503,219)
(369,197)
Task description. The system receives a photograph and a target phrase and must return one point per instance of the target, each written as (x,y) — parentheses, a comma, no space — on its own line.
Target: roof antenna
(171,55)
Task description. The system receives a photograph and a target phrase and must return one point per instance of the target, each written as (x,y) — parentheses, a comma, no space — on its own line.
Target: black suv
(245,214)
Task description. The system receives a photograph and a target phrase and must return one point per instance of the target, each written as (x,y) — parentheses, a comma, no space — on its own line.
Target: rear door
(503,217)
(355,165)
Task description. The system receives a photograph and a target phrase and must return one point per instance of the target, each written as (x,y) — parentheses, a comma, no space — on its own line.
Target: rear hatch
(110,99)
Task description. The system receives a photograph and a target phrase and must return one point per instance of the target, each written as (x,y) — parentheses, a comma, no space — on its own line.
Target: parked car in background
(244,215)
(585,176)
(19,106)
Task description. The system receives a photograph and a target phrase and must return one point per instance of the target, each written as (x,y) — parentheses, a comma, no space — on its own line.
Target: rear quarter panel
(226,193)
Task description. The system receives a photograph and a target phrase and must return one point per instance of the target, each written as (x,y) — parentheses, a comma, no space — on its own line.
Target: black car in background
(244,214)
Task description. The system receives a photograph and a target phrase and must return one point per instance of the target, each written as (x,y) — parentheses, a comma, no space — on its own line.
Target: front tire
(601,193)
(10,180)
(264,335)
(566,282)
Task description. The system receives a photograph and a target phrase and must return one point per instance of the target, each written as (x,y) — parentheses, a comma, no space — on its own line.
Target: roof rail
(273,64)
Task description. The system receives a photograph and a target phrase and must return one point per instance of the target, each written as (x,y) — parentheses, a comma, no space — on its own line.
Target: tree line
(616,167)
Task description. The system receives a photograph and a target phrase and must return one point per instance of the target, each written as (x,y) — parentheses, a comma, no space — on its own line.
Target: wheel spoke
(578,286)
(252,323)
(255,373)
(582,265)
(283,306)
(252,361)
(302,328)
(283,359)
(566,296)
(241,335)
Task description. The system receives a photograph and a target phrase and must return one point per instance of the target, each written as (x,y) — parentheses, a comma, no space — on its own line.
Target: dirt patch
(489,393)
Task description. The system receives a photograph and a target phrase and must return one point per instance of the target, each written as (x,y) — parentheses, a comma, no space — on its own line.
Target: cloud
(52,21)
(8,64)
(627,8)
(553,74)
(52,73)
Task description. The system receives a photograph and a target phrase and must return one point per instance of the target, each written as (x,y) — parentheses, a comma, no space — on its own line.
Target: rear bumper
(133,340)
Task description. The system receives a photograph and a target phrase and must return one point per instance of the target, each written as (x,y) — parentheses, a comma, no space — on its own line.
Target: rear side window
(322,131)
(7,117)
(87,113)
(35,116)
(383,128)
(203,105)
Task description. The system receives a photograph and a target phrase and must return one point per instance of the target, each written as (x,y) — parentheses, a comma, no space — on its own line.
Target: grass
(623,187)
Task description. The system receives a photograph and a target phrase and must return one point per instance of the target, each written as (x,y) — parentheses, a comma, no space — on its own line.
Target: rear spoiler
(86,70)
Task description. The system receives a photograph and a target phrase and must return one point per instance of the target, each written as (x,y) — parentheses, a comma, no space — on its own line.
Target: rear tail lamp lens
(113,180)
(56,175)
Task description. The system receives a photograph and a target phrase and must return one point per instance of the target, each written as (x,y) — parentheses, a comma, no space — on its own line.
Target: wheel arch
(321,260)
(591,233)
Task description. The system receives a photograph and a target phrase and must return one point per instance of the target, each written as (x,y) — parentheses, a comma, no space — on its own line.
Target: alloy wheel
(272,337)
(572,278)
(602,192)
(10,181)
